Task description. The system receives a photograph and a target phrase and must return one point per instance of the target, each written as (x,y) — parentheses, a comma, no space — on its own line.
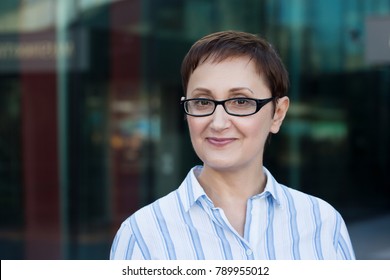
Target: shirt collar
(271,187)
(190,191)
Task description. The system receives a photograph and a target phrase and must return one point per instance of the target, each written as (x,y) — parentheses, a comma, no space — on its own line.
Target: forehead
(226,76)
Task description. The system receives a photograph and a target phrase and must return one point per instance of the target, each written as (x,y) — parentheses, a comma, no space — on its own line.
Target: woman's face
(224,142)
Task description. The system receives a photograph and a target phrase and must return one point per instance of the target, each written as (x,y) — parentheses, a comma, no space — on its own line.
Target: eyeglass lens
(234,106)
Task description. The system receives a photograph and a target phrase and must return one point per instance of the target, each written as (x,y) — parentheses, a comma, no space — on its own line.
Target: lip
(220,142)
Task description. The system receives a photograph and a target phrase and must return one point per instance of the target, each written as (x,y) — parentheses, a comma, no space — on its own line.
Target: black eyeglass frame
(259,104)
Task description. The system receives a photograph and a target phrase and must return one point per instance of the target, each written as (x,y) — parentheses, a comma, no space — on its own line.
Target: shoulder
(304,202)
(312,213)
(141,229)
(299,203)
(310,207)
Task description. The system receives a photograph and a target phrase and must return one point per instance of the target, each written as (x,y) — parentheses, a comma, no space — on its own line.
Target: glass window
(91,128)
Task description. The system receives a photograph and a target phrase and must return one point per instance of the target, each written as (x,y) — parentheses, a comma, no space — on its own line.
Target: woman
(231,207)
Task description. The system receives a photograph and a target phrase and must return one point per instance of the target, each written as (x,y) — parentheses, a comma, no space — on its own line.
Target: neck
(232,185)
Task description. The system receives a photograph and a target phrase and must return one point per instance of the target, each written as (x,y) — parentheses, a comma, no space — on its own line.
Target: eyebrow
(203,90)
(232,90)
(240,89)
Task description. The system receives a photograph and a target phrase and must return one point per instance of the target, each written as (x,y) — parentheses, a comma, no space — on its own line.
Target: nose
(220,119)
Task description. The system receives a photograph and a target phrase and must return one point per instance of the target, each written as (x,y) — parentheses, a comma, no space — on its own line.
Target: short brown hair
(227,44)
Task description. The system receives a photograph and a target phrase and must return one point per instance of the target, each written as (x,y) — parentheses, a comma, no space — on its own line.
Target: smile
(220,142)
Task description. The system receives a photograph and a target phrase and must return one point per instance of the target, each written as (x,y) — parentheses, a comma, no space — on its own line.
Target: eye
(202,102)
(241,102)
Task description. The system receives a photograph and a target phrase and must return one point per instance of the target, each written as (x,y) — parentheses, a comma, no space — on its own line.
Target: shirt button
(249,252)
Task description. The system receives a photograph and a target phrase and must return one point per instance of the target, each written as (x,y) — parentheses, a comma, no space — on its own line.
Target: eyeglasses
(241,107)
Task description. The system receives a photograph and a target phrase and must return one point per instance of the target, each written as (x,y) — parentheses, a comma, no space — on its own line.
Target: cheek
(252,132)
(255,129)
(249,124)
(195,127)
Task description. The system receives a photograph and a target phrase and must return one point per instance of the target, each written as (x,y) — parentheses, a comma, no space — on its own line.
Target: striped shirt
(281,223)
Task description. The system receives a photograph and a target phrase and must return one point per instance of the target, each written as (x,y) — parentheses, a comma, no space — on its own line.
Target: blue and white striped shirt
(281,223)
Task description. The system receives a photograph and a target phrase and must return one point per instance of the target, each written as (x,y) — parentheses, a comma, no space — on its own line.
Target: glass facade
(91,129)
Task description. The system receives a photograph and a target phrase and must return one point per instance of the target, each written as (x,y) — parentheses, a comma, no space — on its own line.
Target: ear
(282,105)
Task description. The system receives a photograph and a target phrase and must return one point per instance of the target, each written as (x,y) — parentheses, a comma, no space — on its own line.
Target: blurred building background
(91,129)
